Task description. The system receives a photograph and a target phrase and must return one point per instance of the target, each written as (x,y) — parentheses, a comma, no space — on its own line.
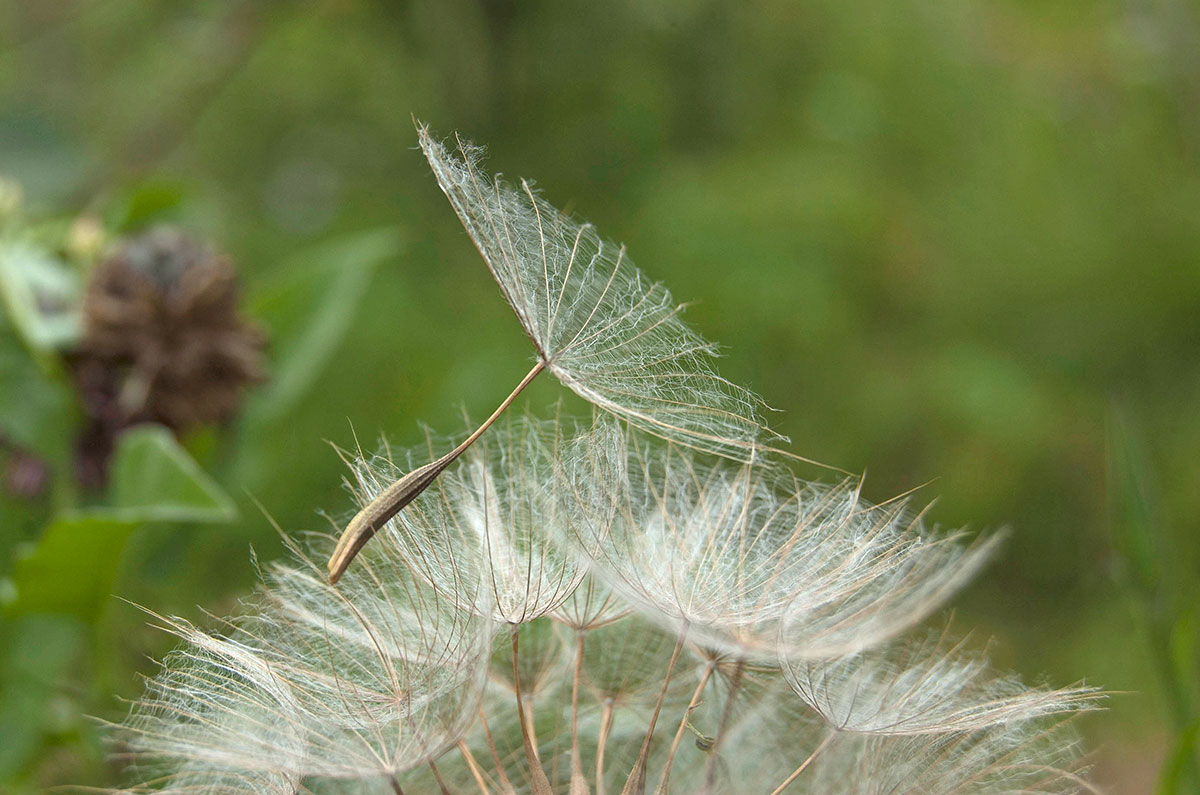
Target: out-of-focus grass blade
(308,310)
(1164,600)
(1136,536)
(1185,636)
(1175,773)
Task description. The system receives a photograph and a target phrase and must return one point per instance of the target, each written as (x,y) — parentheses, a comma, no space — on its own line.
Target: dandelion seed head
(1013,757)
(498,516)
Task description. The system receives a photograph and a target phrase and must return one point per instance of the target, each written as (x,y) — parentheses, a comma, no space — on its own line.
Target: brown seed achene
(367,522)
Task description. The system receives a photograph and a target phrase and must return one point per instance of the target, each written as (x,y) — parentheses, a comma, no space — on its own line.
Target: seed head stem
(505,785)
(606,722)
(735,683)
(578,783)
(476,772)
(539,783)
(636,783)
(664,782)
(437,776)
(796,773)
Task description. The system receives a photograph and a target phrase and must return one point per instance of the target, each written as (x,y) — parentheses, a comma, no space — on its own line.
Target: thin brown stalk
(606,722)
(636,783)
(796,773)
(395,785)
(437,776)
(735,683)
(476,771)
(531,726)
(578,783)
(394,498)
(539,783)
(665,781)
(505,784)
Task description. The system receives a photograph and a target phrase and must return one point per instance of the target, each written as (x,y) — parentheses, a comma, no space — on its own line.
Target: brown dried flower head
(163,342)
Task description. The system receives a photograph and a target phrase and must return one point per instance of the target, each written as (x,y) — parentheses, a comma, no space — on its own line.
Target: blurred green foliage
(1162,596)
(943,237)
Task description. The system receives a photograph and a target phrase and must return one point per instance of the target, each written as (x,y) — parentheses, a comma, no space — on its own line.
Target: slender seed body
(367,522)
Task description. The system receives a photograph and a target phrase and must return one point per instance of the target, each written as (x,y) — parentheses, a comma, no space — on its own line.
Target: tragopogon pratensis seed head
(582,609)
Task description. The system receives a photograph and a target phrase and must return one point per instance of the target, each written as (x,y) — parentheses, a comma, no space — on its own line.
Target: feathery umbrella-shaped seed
(593,605)
(362,682)
(1020,756)
(730,551)
(205,778)
(597,323)
(495,517)
(920,685)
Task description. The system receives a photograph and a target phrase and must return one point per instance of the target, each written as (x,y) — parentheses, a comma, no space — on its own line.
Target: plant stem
(796,773)
(636,783)
(392,500)
(505,784)
(538,781)
(606,722)
(476,772)
(735,683)
(578,783)
(664,782)
(437,776)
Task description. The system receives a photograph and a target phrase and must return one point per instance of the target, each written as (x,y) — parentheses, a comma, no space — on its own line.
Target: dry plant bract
(597,323)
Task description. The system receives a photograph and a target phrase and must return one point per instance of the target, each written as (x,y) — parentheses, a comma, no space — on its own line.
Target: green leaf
(1185,634)
(154,479)
(72,568)
(146,204)
(41,295)
(35,654)
(36,411)
(310,308)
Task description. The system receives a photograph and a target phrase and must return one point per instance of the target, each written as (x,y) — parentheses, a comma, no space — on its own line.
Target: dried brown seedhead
(163,342)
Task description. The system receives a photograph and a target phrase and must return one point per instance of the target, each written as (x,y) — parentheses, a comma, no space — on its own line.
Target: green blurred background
(957,242)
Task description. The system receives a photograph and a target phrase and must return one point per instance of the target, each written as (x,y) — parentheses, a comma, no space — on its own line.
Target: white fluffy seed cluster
(582,590)
(648,602)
